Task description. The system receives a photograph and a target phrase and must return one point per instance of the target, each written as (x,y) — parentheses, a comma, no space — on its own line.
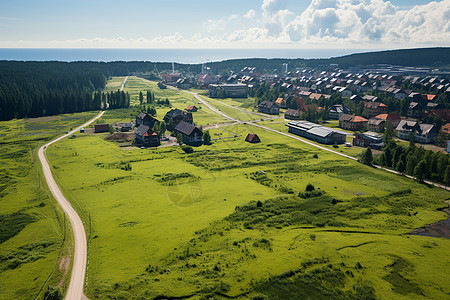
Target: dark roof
(292,112)
(346,117)
(142,115)
(252,138)
(267,104)
(143,129)
(174,112)
(376,122)
(186,128)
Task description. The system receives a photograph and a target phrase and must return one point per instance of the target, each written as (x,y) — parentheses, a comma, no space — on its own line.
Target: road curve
(76,285)
(305,141)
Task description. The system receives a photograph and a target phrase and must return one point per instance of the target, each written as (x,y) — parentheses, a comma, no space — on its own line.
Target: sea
(187,56)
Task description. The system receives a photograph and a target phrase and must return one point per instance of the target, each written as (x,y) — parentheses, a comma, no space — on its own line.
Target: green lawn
(31,222)
(170,226)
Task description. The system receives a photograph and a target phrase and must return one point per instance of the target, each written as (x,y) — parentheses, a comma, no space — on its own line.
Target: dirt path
(76,285)
(123,83)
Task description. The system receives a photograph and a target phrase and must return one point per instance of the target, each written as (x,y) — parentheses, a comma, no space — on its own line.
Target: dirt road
(76,285)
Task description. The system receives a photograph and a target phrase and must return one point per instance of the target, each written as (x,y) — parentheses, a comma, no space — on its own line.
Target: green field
(234,220)
(31,222)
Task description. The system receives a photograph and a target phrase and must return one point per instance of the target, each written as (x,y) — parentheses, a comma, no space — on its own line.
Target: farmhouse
(146,136)
(228,90)
(191,134)
(101,128)
(175,116)
(374,108)
(376,125)
(191,108)
(292,114)
(316,132)
(336,111)
(421,133)
(350,122)
(145,119)
(252,138)
(268,107)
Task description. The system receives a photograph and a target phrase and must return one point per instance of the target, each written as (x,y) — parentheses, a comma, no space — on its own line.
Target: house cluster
(177,121)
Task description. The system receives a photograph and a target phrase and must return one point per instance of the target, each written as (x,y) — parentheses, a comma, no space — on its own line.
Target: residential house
(415,110)
(252,138)
(228,90)
(376,125)
(370,98)
(191,108)
(281,102)
(145,119)
(269,107)
(336,111)
(421,133)
(101,128)
(292,114)
(368,139)
(372,109)
(350,122)
(394,118)
(146,136)
(175,116)
(183,83)
(316,132)
(191,134)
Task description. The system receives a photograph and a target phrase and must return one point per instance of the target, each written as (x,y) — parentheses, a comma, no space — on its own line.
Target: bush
(259,203)
(309,187)
(315,156)
(187,149)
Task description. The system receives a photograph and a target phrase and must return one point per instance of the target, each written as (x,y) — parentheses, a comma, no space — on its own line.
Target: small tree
(111,129)
(179,138)
(420,171)
(141,98)
(401,166)
(206,138)
(155,127)
(447,176)
(309,187)
(162,128)
(389,132)
(367,157)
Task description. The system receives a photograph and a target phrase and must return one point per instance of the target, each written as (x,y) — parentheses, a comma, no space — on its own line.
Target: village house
(292,114)
(252,138)
(316,132)
(394,118)
(191,135)
(376,125)
(98,128)
(372,109)
(415,110)
(175,116)
(349,122)
(268,107)
(147,137)
(228,90)
(366,139)
(145,119)
(421,133)
(191,108)
(336,111)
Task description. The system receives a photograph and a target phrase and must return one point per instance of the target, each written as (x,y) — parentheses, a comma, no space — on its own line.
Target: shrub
(187,149)
(309,187)
(315,156)
(259,203)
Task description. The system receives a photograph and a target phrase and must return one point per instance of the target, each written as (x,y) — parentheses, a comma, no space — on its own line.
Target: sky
(290,24)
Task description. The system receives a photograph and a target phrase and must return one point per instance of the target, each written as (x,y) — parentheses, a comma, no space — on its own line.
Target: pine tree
(141,98)
(420,171)
(162,128)
(367,157)
(206,138)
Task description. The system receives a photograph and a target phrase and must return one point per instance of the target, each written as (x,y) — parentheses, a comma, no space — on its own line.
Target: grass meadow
(31,223)
(239,220)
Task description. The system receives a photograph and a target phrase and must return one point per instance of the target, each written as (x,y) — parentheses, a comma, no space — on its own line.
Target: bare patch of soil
(439,229)
(121,137)
(43,119)
(64,265)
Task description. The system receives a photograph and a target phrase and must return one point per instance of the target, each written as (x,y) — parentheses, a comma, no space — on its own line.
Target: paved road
(302,140)
(76,285)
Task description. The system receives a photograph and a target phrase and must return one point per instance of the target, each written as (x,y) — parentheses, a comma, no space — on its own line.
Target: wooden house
(269,107)
(175,116)
(145,119)
(292,114)
(101,128)
(350,122)
(191,134)
(146,136)
(252,138)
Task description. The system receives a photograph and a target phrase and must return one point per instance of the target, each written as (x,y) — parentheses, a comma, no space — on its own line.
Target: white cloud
(250,14)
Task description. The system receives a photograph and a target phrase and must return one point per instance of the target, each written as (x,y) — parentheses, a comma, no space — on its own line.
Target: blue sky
(224,24)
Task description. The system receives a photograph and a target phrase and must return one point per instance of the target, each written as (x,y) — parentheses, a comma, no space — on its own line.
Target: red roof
(394,116)
(446,128)
(359,119)
(279,100)
(428,97)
